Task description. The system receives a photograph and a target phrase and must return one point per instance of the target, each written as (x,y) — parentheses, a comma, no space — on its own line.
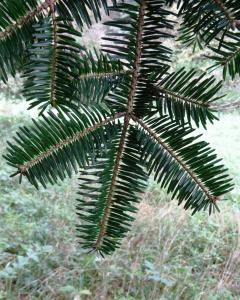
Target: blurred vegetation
(167,255)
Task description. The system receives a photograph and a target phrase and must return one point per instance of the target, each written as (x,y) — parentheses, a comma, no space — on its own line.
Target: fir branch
(131,95)
(179,97)
(230,57)
(224,9)
(232,20)
(25,19)
(22,169)
(109,202)
(190,172)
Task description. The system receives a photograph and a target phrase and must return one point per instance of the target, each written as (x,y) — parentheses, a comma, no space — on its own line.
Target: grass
(167,255)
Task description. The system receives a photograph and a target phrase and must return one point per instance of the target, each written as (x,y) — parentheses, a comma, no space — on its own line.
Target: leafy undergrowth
(167,255)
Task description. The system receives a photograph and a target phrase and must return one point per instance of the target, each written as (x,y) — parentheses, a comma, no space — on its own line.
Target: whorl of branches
(121,115)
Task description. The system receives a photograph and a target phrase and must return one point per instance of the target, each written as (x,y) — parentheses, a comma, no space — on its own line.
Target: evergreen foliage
(120,114)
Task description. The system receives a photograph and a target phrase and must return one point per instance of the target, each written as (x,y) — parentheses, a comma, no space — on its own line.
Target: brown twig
(24,19)
(226,106)
(54,57)
(233,22)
